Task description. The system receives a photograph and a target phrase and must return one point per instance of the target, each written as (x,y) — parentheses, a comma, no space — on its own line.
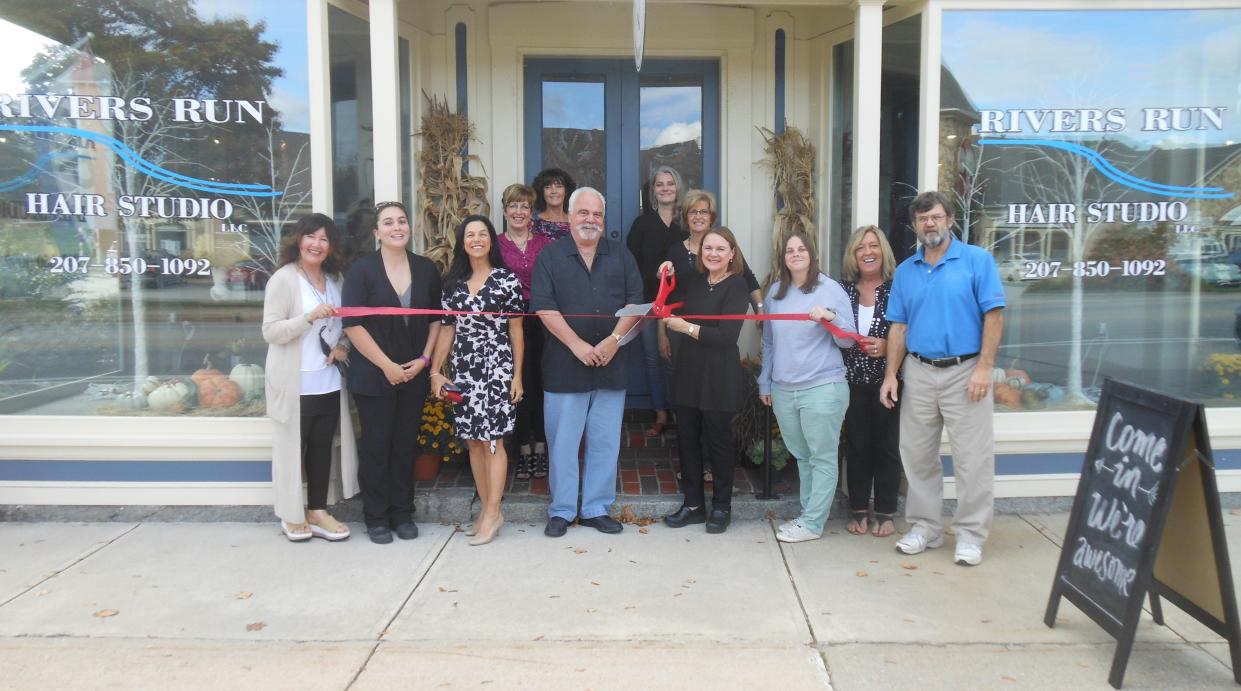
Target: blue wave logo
(137,162)
(1111,172)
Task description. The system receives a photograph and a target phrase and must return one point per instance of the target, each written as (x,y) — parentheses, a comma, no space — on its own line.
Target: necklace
(521,244)
(711,284)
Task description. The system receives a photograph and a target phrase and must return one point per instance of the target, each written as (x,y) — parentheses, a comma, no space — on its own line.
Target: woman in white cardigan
(305,391)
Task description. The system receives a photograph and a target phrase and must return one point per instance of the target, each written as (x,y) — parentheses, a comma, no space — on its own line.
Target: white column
(320,106)
(867,73)
(385,100)
(928,99)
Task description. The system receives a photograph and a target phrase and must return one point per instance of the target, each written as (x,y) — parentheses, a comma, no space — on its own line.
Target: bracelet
(426,361)
(618,338)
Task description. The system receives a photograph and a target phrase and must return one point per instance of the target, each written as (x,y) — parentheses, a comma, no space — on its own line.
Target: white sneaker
(915,542)
(785,526)
(797,533)
(968,554)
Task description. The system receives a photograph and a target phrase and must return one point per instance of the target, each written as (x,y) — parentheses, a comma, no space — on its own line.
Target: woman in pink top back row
(520,247)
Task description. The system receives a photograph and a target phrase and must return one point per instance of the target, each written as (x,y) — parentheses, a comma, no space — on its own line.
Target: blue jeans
(654,365)
(810,422)
(566,416)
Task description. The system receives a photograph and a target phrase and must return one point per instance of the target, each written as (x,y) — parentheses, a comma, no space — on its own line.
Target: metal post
(767,493)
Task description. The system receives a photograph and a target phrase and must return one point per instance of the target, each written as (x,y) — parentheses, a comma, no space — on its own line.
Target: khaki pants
(934,397)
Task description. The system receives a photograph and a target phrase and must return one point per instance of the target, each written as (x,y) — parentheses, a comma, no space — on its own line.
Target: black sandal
(880,519)
(539,464)
(859,519)
(523,467)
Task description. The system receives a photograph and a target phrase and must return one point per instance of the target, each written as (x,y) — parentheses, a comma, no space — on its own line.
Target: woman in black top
(389,382)
(650,236)
(872,432)
(708,387)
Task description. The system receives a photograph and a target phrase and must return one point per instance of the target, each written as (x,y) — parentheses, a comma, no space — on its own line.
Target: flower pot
(426,467)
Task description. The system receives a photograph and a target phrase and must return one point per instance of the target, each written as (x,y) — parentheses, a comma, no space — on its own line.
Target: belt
(945,361)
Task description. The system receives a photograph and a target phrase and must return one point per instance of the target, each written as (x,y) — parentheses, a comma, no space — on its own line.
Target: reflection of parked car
(154,277)
(1220,272)
(248,274)
(1014,268)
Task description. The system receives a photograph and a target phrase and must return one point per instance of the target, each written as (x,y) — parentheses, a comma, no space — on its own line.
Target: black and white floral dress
(482,356)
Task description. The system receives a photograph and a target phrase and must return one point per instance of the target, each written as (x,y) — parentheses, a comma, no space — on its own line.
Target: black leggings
(320,417)
(528,428)
(872,450)
(706,433)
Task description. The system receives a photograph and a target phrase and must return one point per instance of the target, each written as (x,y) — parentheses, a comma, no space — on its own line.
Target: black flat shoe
(686,516)
(556,527)
(407,531)
(720,518)
(379,534)
(604,524)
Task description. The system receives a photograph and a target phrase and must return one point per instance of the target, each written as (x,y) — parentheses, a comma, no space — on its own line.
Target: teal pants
(810,422)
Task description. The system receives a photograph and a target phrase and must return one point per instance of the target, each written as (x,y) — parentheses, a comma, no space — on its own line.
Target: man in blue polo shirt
(945,308)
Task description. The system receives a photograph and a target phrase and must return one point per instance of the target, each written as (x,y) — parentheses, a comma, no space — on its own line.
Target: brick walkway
(647,467)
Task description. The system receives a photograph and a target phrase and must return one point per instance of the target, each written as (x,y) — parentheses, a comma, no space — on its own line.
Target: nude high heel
(483,538)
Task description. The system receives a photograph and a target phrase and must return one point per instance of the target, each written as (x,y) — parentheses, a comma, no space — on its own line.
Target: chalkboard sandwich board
(1146,519)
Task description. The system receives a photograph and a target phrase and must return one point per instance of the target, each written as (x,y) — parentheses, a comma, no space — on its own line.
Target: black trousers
(706,436)
(320,417)
(872,450)
(386,454)
(528,428)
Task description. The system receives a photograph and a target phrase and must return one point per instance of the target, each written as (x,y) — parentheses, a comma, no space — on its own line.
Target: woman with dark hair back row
(388,382)
(520,248)
(552,187)
(486,361)
(305,397)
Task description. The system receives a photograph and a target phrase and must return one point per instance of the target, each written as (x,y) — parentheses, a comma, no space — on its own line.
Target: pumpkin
(1020,374)
(206,372)
(1015,382)
(1007,396)
(998,375)
(250,379)
(172,395)
(218,392)
(1030,399)
(150,384)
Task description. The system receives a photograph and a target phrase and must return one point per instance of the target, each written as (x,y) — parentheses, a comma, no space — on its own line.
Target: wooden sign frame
(1183,556)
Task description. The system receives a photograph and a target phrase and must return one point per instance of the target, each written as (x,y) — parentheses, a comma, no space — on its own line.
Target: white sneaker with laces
(915,542)
(785,526)
(797,533)
(968,554)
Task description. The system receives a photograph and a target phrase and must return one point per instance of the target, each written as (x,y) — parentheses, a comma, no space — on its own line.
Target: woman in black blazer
(389,382)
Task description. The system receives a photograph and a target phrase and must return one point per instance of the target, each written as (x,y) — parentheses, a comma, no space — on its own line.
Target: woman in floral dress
(486,361)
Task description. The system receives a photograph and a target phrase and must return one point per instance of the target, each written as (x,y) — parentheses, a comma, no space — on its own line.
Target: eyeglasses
(698,212)
(385,205)
(936,219)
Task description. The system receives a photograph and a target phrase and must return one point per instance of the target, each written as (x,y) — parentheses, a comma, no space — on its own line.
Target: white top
(864,317)
(318,376)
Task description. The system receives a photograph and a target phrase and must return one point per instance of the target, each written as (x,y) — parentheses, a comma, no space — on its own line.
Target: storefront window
(353,130)
(840,201)
(150,158)
(1098,156)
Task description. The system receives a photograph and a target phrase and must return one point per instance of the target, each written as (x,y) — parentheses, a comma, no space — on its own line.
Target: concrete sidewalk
(234,605)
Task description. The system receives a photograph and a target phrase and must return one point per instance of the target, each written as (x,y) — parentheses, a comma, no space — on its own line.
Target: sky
(285,26)
(668,114)
(1115,59)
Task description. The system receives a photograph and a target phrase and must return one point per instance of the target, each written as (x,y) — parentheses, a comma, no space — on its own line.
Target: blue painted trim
(463,94)
(260,471)
(779,79)
(135,471)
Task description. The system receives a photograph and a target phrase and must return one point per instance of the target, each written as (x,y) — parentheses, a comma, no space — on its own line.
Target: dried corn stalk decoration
(447,193)
(790,158)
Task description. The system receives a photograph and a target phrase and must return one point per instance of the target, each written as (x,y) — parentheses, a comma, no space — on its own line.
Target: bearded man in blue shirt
(946,311)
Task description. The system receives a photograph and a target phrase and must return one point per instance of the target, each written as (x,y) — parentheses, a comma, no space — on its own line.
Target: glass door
(608,126)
